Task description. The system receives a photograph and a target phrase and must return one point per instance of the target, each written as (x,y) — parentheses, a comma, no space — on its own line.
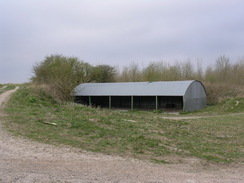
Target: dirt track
(26,161)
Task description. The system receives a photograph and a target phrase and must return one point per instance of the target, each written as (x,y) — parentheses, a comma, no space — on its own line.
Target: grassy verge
(139,134)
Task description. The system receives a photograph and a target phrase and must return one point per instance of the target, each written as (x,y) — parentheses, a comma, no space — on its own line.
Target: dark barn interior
(143,102)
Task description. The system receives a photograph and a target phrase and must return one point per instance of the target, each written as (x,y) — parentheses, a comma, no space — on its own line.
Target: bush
(58,75)
(103,74)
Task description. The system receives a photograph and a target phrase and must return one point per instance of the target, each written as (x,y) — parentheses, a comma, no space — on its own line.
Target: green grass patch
(231,105)
(139,134)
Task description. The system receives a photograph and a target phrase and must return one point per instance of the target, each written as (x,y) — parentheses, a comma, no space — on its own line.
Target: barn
(181,95)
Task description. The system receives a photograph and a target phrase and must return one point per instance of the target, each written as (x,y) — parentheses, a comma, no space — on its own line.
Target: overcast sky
(117,32)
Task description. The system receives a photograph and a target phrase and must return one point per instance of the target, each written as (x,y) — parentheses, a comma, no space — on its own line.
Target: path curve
(3,87)
(22,160)
(198,117)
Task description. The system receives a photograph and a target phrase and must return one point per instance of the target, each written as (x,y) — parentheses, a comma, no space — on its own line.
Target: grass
(139,134)
(231,105)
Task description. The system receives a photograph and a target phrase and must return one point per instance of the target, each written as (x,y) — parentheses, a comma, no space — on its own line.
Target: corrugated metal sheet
(195,97)
(162,88)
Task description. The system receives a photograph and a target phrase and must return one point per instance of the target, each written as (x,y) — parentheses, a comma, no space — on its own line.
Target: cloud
(117,32)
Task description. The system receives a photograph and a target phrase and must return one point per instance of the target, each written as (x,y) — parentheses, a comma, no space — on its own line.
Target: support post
(90,103)
(109,102)
(132,103)
(156,98)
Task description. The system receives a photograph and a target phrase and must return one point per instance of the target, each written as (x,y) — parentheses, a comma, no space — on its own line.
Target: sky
(117,32)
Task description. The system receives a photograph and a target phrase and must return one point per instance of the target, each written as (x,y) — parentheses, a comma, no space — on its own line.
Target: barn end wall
(195,97)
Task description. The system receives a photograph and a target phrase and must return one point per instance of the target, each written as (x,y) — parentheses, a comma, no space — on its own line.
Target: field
(215,134)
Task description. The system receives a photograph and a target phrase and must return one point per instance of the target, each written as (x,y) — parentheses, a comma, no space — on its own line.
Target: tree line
(221,72)
(58,75)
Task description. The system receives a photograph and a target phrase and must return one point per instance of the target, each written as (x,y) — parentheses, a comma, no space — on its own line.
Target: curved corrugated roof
(161,88)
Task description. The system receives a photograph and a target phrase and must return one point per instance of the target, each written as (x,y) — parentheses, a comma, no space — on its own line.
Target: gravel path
(198,117)
(22,160)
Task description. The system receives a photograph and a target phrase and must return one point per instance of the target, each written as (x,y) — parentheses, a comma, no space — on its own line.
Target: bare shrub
(131,73)
(218,92)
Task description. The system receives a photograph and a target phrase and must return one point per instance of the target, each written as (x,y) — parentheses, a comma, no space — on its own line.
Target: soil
(23,160)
